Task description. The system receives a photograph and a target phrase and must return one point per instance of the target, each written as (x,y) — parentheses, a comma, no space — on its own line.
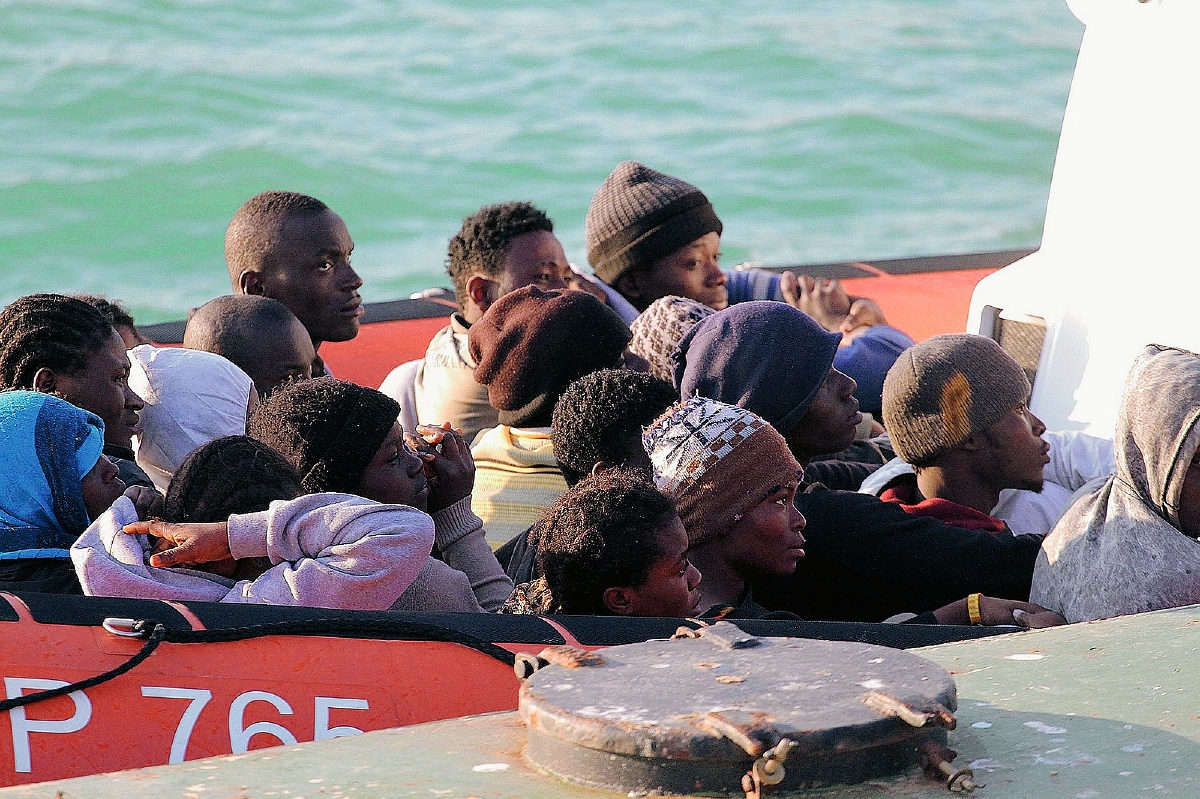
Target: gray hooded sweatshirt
(1118,549)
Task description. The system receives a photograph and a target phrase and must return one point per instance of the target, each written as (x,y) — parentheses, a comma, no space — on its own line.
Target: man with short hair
(499,249)
(258,334)
(293,248)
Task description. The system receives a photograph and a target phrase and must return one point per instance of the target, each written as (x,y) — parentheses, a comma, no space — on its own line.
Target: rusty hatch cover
(700,713)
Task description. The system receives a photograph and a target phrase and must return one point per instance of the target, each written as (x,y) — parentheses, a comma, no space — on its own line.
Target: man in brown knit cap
(651,235)
(529,346)
(955,407)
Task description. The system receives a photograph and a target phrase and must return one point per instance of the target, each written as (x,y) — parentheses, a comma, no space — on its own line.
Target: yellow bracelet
(973,608)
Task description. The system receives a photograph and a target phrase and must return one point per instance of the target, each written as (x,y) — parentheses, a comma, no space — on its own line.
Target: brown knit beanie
(531,344)
(716,461)
(639,215)
(941,391)
(329,429)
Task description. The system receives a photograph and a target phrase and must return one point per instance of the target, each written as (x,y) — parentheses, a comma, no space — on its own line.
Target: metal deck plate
(1107,709)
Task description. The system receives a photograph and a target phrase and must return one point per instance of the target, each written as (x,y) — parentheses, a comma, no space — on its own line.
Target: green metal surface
(1108,709)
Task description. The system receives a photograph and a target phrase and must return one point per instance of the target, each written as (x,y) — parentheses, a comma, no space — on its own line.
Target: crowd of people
(653,437)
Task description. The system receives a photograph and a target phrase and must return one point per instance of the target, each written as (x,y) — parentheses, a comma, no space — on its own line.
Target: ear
(45,380)
(482,291)
(618,601)
(250,283)
(973,443)
(600,467)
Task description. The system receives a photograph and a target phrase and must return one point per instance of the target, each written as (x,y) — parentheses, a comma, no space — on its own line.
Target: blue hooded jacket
(47,447)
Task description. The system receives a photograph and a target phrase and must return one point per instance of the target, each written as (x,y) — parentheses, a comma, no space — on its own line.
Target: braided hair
(601,533)
(50,331)
(228,475)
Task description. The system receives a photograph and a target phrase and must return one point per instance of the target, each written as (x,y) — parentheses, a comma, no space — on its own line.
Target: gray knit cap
(942,390)
(640,215)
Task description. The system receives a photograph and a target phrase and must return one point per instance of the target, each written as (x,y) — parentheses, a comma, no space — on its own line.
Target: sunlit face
(395,475)
(102,387)
(534,259)
(692,271)
(829,423)
(101,487)
(310,272)
(672,588)
(768,539)
(1015,453)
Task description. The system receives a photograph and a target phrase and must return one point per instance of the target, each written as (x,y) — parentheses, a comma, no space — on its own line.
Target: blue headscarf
(47,446)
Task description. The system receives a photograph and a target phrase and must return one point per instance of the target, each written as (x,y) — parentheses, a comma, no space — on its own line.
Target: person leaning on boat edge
(295,249)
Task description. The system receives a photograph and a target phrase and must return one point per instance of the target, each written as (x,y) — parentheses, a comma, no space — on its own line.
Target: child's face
(672,589)
(101,487)
(767,540)
(395,475)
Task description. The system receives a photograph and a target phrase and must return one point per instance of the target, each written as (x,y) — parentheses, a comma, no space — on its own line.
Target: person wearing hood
(55,482)
(1129,545)
(191,397)
(237,527)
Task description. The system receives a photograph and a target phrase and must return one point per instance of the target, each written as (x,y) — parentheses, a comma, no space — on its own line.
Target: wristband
(973,608)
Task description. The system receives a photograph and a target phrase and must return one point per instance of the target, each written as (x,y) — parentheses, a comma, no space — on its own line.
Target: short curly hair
(228,475)
(599,413)
(601,533)
(255,229)
(51,331)
(480,244)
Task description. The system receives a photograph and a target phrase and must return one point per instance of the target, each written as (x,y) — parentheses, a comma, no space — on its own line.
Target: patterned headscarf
(716,461)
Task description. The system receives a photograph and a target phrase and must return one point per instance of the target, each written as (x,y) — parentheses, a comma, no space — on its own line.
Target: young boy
(258,334)
(612,545)
(293,248)
(499,249)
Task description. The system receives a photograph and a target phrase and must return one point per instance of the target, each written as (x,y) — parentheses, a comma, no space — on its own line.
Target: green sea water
(131,131)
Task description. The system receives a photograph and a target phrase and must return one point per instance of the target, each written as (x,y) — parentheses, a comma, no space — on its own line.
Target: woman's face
(767,539)
(101,487)
(395,475)
(672,588)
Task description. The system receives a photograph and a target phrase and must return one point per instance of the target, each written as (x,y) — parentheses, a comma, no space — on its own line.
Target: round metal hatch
(699,714)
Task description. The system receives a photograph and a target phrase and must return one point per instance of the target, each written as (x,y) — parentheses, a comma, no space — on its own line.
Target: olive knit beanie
(329,429)
(942,390)
(531,344)
(640,215)
(716,461)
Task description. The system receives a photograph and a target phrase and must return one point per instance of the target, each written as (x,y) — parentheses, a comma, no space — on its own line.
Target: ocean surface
(131,131)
